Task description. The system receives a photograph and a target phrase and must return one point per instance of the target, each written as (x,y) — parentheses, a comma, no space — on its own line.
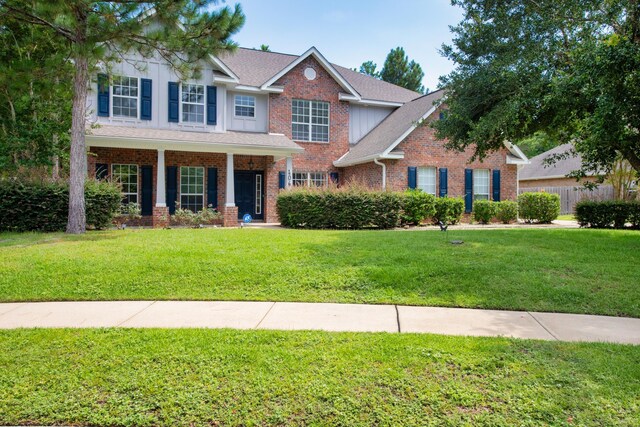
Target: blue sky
(349,32)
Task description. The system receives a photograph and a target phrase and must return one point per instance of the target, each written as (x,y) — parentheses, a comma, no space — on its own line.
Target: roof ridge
(267,51)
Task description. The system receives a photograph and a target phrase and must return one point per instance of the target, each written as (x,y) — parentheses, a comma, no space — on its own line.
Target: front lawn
(125,377)
(579,271)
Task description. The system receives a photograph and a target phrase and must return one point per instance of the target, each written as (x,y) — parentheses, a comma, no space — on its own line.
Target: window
(125,97)
(481,184)
(258,194)
(192,188)
(245,106)
(310,120)
(427,180)
(127,176)
(309,179)
(192,103)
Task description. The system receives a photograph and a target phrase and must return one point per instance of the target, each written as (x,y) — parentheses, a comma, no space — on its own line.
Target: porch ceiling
(179,140)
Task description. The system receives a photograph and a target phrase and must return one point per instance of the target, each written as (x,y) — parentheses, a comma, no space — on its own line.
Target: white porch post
(230,200)
(161,199)
(289,173)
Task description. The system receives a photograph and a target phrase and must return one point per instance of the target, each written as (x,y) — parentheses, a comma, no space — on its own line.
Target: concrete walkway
(319,316)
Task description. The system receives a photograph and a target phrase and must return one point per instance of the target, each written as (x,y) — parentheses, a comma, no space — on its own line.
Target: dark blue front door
(249,189)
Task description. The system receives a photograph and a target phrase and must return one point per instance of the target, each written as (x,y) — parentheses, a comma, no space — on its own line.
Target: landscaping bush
(345,208)
(449,210)
(417,206)
(484,211)
(44,206)
(506,211)
(539,207)
(606,214)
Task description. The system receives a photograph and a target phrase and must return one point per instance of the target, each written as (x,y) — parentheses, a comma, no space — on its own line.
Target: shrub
(345,208)
(184,217)
(506,211)
(129,211)
(539,207)
(610,213)
(208,215)
(449,210)
(417,206)
(484,211)
(44,206)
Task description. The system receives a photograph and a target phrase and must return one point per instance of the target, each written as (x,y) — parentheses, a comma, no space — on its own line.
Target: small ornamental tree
(95,32)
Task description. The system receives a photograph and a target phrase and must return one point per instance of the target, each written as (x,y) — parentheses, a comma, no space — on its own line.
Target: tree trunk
(76,223)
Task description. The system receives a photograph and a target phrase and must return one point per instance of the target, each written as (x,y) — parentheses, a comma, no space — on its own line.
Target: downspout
(384,173)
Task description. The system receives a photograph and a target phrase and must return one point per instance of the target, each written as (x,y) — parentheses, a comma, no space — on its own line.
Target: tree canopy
(181,32)
(397,69)
(570,69)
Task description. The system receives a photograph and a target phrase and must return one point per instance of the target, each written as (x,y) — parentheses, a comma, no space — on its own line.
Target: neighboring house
(540,175)
(258,122)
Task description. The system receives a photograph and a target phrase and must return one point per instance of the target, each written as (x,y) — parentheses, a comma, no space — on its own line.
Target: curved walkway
(319,316)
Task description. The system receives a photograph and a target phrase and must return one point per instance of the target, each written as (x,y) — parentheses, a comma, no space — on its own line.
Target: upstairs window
(481,184)
(127,176)
(310,120)
(245,106)
(192,103)
(427,180)
(125,96)
(192,188)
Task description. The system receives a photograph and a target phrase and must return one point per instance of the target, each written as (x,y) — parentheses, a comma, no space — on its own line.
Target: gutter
(384,172)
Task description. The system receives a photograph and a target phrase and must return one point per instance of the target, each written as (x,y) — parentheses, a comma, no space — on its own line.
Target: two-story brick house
(258,122)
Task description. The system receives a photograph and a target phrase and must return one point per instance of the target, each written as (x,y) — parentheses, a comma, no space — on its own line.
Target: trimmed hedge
(507,211)
(539,207)
(484,211)
(417,206)
(449,210)
(28,206)
(607,214)
(341,209)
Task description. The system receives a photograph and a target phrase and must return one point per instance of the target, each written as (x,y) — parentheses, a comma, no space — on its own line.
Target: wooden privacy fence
(569,196)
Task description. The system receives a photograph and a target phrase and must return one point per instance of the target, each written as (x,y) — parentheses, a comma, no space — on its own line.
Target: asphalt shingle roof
(538,169)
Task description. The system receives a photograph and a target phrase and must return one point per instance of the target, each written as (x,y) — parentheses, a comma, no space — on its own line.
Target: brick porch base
(230,216)
(160,217)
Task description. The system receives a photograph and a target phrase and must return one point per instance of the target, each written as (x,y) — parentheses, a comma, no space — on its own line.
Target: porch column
(289,173)
(230,200)
(161,194)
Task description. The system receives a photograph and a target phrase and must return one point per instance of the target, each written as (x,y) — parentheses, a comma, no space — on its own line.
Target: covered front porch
(237,174)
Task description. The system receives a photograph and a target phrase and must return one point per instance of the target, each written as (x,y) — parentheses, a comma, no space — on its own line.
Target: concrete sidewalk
(319,316)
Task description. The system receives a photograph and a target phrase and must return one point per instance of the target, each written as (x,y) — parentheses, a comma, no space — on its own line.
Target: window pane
(192,188)
(481,184)
(427,180)
(127,176)
(192,103)
(125,96)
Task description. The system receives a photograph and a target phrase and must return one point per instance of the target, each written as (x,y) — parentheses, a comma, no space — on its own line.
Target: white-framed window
(125,95)
(481,184)
(127,176)
(192,103)
(310,120)
(427,179)
(244,106)
(309,179)
(192,188)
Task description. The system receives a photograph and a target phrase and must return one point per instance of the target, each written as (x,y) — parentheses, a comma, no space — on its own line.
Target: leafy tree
(369,68)
(101,31)
(400,71)
(536,144)
(35,98)
(265,48)
(570,69)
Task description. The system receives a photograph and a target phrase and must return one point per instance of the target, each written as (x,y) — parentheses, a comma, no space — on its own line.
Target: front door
(249,191)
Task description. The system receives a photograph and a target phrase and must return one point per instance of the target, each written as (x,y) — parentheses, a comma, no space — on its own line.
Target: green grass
(568,217)
(580,271)
(221,377)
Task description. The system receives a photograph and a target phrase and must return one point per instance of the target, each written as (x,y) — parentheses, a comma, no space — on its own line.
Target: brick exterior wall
(318,156)
(421,148)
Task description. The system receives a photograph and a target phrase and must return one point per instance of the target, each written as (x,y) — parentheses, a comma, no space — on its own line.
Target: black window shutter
(281,180)
(468,190)
(444,182)
(334,176)
(174,103)
(145,99)
(212,99)
(496,185)
(212,187)
(412,177)
(147,190)
(103,95)
(102,170)
(172,188)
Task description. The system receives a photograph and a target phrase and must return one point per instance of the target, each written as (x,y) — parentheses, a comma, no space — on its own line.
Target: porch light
(251,164)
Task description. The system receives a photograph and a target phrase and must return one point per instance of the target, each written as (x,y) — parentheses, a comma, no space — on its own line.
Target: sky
(350,32)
